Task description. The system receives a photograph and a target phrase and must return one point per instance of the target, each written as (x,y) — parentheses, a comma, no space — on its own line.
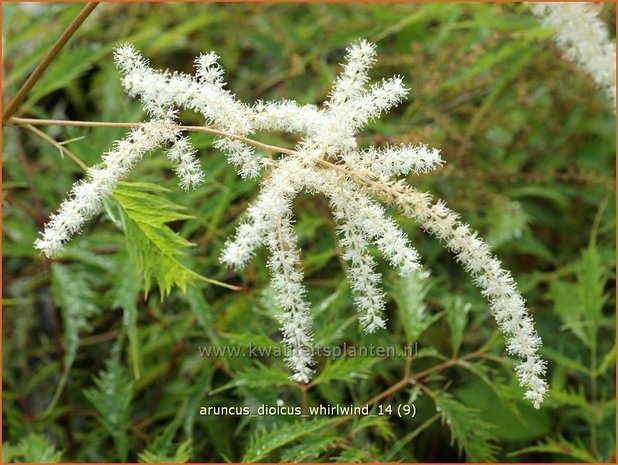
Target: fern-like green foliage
(580,306)
(591,285)
(258,376)
(72,291)
(34,448)
(124,294)
(457,317)
(362,454)
(471,434)
(579,300)
(409,293)
(561,446)
(265,442)
(112,399)
(346,369)
(163,450)
(181,455)
(310,448)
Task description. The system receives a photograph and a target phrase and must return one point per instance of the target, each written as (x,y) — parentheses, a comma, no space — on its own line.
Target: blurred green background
(529,145)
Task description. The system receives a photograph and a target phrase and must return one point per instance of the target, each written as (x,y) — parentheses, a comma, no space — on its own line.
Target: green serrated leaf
(570,397)
(153,246)
(500,405)
(265,442)
(409,293)
(73,293)
(559,357)
(181,455)
(112,399)
(568,307)
(609,361)
(562,446)
(310,448)
(257,377)
(468,431)
(125,293)
(346,369)
(591,282)
(34,448)
(457,317)
(162,450)
(379,422)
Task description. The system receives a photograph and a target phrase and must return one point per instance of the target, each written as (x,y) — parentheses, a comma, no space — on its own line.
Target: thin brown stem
(447,364)
(107,124)
(388,392)
(61,122)
(405,381)
(409,379)
(21,94)
(60,147)
(435,368)
(408,367)
(384,190)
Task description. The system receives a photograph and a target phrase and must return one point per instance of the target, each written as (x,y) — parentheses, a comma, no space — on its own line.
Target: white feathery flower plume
(584,39)
(84,200)
(326,162)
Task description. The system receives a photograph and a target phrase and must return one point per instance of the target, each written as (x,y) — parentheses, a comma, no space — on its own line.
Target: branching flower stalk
(326,161)
(584,39)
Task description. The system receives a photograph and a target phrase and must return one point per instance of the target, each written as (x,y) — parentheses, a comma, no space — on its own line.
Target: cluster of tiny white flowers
(584,39)
(496,284)
(186,166)
(203,93)
(325,161)
(84,200)
(394,161)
